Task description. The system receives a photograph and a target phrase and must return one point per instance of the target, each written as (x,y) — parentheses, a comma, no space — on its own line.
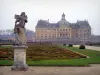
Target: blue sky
(52,10)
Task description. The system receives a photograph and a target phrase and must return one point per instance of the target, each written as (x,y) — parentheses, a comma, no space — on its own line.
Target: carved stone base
(19,67)
(19,59)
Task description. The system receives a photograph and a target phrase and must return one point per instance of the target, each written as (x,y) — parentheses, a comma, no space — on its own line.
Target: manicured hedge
(70,45)
(81,47)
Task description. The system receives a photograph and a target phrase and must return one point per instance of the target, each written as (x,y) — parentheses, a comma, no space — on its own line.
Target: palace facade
(63,31)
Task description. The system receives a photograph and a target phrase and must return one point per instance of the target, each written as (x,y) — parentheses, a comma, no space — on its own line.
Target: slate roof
(74,25)
(78,24)
(63,22)
(45,24)
(42,24)
(83,24)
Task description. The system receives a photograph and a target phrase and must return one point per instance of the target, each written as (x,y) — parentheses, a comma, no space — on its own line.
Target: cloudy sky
(52,10)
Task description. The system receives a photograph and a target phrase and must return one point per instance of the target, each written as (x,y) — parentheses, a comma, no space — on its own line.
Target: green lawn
(90,53)
(74,62)
(94,58)
(9,46)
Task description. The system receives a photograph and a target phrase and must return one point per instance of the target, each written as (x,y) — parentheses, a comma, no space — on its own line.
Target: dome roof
(63,15)
(63,21)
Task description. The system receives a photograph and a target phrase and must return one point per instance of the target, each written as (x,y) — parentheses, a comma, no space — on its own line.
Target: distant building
(95,38)
(8,34)
(63,31)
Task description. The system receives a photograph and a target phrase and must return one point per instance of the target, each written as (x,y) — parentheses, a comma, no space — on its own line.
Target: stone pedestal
(19,59)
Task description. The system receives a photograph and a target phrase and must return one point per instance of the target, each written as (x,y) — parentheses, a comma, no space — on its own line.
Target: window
(63,35)
(53,36)
(49,37)
(60,34)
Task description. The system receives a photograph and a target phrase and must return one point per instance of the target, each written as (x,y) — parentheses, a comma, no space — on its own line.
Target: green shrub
(81,47)
(70,45)
(64,44)
(90,44)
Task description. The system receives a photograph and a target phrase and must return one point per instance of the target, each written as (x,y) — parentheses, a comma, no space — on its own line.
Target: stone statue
(19,30)
(20,43)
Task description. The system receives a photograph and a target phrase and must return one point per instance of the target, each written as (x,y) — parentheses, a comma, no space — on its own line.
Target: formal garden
(52,55)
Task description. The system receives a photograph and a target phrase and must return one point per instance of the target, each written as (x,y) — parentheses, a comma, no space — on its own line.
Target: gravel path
(93,48)
(93,70)
(90,47)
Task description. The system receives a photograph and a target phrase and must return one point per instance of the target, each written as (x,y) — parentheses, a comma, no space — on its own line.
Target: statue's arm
(16,21)
(26,21)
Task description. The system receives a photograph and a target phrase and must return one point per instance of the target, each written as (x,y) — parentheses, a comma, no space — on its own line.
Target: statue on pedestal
(19,30)
(20,41)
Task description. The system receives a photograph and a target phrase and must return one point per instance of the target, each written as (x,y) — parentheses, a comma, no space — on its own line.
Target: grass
(6,62)
(94,58)
(65,62)
(2,47)
(90,53)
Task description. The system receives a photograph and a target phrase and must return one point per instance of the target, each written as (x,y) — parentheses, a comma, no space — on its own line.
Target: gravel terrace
(35,70)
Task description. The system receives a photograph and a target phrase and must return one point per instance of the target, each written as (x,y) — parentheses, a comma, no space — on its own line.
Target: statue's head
(23,14)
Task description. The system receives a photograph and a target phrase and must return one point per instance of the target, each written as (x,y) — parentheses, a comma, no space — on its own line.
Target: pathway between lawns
(33,70)
(90,47)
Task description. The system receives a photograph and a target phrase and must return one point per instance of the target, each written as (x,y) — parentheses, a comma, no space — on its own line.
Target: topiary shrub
(90,44)
(81,47)
(64,44)
(70,45)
